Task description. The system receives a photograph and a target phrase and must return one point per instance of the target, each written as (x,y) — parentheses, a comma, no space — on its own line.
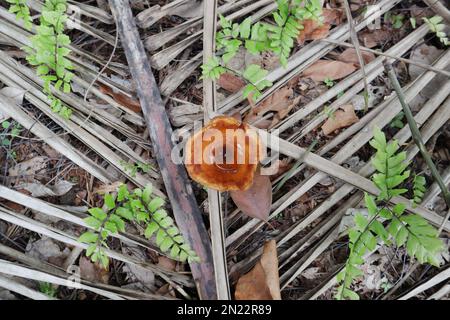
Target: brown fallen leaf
(280,102)
(373,38)
(333,16)
(350,56)
(328,69)
(262,282)
(255,201)
(124,100)
(313,30)
(167,263)
(93,271)
(230,82)
(342,118)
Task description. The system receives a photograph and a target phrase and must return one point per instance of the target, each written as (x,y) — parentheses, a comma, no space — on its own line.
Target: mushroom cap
(224,155)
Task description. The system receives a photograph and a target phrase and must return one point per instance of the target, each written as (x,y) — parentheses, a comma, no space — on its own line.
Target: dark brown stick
(179,190)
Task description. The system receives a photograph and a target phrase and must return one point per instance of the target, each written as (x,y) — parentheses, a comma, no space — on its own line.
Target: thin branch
(355,41)
(416,133)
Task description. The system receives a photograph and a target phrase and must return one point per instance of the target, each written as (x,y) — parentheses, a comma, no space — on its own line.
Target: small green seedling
(329,82)
(435,25)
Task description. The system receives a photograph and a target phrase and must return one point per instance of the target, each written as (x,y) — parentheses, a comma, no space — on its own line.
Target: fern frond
(435,25)
(136,206)
(282,36)
(419,189)
(390,166)
(49,51)
(22,12)
(255,75)
(412,231)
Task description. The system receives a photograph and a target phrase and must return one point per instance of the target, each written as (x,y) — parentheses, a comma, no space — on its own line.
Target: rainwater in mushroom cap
(224,155)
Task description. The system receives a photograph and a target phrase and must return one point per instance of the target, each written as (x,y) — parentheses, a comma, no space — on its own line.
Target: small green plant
(49,49)
(277,37)
(328,112)
(134,168)
(385,223)
(397,122)
(22,12)
(10,131)
(141,207)
(435,24)
(419,189)
(47,289)
(328,82)
(396,20)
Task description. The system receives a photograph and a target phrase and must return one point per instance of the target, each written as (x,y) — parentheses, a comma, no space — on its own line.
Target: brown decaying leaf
(280,102)
(333,16)
(93,271)
(373,38)
(167,263)
(312,30)
(230,82)
(342,118)
(329,69)
(126,101)
(255,201)
(262,282)
(350,56)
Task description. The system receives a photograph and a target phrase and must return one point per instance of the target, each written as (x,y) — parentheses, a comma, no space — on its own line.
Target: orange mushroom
(224,155)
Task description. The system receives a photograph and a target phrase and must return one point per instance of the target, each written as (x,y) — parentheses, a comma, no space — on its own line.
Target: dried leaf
(312,30)
(47,249)
(93,271)
(269,262)
(329,69)
(145,277)
(427,55)
(230,82)
(424,54)
(262,282)
(38,190)
(280,102)
(342,118)
(255,201)
(373,38)
(29,167)
(167,263)
(124,100)
(350,56)
(333,16)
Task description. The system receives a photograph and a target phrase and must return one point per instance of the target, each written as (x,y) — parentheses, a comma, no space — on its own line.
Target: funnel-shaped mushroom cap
(224,155)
